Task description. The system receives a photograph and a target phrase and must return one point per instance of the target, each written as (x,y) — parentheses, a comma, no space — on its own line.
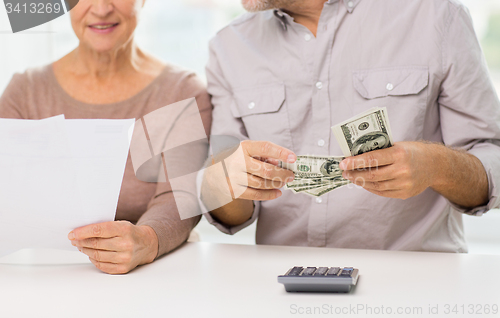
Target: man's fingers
(385,194)
(394,194)
(260,195)
(266,149)
(268,171)
(274,162)
(103,230)
(260,183)
(391,185)
(246,185)
(372,174)
(371,159)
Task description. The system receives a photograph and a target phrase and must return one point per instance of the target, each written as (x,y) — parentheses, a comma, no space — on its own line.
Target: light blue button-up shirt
(272,79)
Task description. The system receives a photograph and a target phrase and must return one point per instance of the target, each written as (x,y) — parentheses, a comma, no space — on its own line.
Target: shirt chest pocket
(264,113)
(402,90)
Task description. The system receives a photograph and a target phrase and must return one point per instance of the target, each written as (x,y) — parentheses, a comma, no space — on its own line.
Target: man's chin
(256,5)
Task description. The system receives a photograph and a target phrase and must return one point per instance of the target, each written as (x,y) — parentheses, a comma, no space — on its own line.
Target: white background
(178,31)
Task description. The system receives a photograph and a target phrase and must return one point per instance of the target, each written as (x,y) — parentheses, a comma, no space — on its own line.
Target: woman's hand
(116,247)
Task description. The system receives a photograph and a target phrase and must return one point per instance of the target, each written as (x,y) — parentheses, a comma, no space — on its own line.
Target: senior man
(283,74)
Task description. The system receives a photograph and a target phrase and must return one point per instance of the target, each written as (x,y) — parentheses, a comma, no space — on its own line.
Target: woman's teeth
(103,27)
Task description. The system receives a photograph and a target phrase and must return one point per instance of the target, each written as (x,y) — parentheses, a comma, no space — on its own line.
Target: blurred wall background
(178,31)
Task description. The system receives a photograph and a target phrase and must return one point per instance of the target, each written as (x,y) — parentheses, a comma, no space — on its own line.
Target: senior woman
(108,76)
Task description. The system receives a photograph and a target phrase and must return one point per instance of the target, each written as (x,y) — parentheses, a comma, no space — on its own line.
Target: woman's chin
(102,46)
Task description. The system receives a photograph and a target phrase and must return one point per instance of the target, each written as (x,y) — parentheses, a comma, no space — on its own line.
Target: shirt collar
(283,17)
(349,4)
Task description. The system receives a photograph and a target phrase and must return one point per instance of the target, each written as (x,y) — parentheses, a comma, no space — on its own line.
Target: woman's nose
(102,8)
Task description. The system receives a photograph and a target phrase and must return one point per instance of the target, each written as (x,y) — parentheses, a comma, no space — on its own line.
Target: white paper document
(56,175)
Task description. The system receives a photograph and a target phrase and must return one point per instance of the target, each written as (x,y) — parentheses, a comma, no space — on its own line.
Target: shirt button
(319,85)
(319,200)
(251,105)
(307,37)
(350,4)
(321,142)
(389,86)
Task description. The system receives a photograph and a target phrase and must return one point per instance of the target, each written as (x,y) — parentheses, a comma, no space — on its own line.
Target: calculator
(319,279)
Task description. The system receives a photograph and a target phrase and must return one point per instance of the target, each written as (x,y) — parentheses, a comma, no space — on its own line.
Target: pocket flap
(262,99)
(375,83)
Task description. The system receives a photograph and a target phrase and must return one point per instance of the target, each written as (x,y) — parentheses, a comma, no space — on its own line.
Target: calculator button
(321,271)
(333,271)
(347,272)
(296,271)
(309,271)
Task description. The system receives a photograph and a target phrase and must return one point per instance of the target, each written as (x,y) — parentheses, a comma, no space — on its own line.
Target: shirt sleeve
(468,104)
(223,124)
(162,214)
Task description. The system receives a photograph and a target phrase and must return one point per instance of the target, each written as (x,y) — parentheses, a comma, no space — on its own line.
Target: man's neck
(306,12)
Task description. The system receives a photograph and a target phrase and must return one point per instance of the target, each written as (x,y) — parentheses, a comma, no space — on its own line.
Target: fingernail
(71,235)
(291,158)
(290,179)
(342,165)
(346,175)
(279,194)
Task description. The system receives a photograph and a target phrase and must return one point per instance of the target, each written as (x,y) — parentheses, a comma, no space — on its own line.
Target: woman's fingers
(102,230)
(102,256)
(131,246)
(108,261)
(110,268)
(111,244)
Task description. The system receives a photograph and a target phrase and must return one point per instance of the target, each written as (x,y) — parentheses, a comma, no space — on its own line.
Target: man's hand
(257,176)
(408,168)
(116,247)
(401,171)
(253,174)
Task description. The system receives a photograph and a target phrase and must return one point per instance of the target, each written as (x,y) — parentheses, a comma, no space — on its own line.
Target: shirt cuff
(223,228)
(489,155)
(234,229)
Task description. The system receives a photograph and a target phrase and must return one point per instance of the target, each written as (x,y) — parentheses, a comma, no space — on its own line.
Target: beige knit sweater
(36,94)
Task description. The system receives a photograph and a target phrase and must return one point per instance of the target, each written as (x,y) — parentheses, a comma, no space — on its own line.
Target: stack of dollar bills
(318,175)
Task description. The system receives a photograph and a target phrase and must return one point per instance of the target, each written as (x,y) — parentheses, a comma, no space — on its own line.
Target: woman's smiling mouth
(103,27)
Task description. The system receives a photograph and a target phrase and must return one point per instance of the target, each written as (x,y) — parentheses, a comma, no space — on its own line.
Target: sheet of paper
(57,175)
(100,149)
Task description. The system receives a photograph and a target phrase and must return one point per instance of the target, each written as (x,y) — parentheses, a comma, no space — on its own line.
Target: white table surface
(219,280)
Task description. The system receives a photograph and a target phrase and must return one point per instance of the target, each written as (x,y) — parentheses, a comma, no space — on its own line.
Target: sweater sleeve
(163,210)
(12,103)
